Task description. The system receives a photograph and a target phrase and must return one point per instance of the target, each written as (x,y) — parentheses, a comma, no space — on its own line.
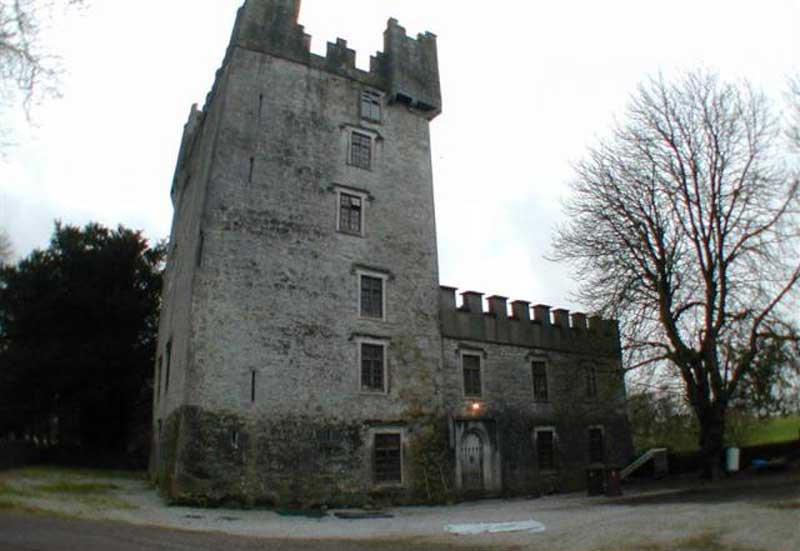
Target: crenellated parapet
(536,326)
(407,70)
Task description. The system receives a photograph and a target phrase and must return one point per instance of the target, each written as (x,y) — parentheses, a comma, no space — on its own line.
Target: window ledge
(388,485)
(350,233)
(373,392)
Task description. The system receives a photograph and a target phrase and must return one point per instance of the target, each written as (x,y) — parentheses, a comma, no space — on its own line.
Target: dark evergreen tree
(78,323)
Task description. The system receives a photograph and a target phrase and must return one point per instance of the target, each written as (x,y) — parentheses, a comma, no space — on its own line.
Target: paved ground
(758,513)
(40,533)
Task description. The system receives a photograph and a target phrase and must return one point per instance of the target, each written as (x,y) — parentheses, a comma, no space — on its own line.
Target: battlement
(407,70)
(536,326)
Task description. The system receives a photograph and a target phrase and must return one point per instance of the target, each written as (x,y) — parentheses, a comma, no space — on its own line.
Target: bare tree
(27,69)
(6,250)
(684,225)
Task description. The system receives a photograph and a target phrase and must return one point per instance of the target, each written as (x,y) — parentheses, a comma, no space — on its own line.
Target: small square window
(373,363)
(471,365)
(361,150)
(350,213)
(371,297)
(539,381)
(371,106)
(546,449)
(388,458)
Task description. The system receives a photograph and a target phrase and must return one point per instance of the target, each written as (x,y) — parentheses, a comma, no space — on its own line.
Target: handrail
(644,458)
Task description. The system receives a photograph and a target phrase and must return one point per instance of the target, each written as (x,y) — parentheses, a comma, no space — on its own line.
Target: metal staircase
(659,455)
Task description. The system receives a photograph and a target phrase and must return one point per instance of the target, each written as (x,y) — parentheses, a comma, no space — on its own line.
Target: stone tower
(306,351)
(299,340)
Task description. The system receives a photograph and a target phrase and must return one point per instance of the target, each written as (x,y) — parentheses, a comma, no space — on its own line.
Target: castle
(307,353)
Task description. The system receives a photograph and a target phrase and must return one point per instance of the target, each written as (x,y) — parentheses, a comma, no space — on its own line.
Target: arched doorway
(472,462)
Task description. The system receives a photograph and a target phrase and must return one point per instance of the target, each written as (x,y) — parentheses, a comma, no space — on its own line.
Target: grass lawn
(35,489)
(778,429)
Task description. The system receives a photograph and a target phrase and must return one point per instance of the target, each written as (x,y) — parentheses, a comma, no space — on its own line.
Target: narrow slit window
(200,245)
(260,105)
(158,376)
(253,386)
(252,169)
(591,381)
(235,438)
(169,365)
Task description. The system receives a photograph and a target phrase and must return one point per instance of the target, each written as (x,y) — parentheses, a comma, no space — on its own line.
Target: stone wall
(507,400)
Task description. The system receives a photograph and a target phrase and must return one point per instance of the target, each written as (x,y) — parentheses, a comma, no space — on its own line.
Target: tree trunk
(712,433)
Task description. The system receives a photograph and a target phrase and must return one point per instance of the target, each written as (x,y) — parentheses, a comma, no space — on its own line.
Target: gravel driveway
(750,512)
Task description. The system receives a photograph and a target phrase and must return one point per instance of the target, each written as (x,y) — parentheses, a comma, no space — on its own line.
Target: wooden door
(472,462)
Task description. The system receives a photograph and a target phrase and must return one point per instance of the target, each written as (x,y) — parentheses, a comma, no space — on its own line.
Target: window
(539,381)
(591,380)
(253,386)
(361,150)
(234,439)
(596,445)
(200,244)
(546,449)
(371,296)
(158,376)
(471,364)
(169,364)
(330,441)
(373,364)
(350,213)
(388,458)
(371,106)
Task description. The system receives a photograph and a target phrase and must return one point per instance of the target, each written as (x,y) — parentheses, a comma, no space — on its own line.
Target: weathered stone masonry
(305,347)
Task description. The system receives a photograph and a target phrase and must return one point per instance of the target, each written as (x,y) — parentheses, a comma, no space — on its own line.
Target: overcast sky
(527,87)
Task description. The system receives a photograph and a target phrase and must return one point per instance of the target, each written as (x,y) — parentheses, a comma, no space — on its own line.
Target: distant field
(751,432)
(778,429)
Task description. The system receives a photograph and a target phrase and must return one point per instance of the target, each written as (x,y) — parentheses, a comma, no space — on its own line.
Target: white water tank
(732,460)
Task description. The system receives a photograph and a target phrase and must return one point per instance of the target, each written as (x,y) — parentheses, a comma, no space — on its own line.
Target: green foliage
(78,325)
(430,462)
(660,420)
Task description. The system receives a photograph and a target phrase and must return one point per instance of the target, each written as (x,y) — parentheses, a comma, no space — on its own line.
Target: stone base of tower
(212,458)
(215,458)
